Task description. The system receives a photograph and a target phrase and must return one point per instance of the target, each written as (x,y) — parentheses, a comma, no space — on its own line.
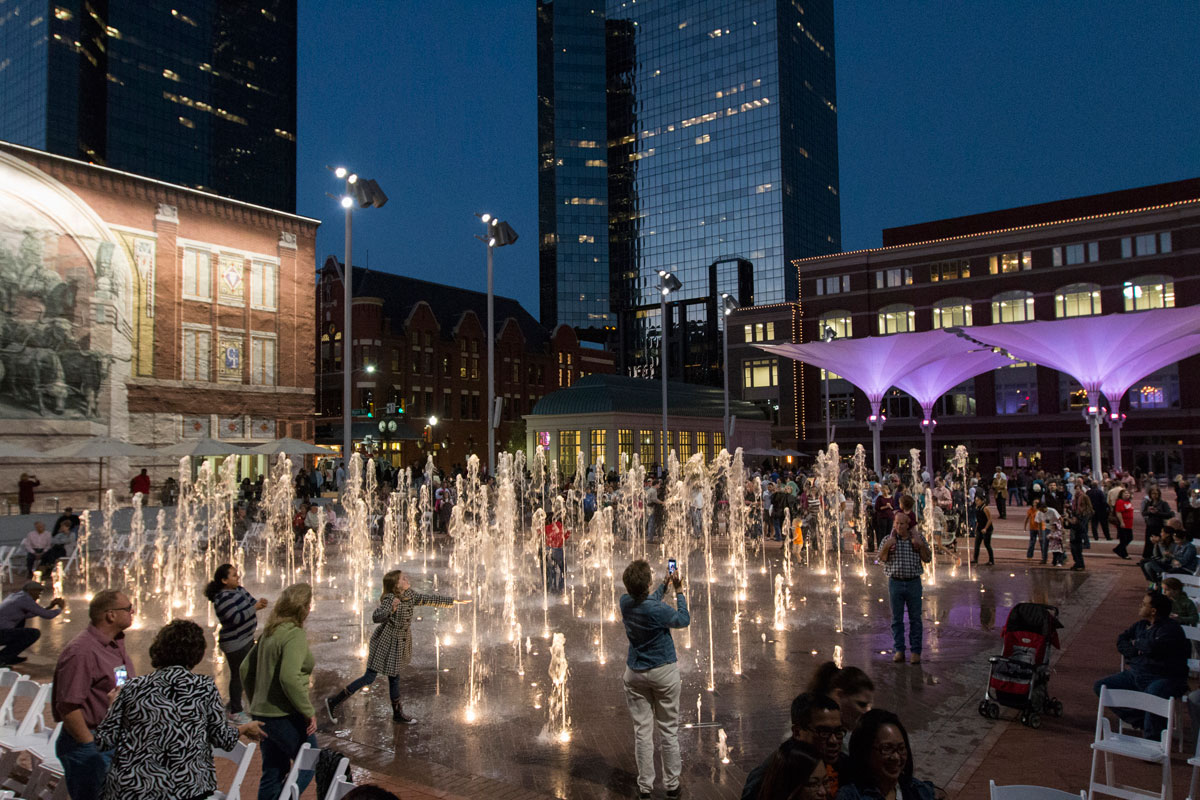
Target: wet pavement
(508,750)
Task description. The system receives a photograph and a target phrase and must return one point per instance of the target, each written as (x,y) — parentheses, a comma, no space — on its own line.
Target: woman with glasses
(795,772)
(881,762)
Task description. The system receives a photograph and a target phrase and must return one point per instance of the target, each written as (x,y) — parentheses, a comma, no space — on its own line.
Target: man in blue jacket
(1156,651)
(652,681)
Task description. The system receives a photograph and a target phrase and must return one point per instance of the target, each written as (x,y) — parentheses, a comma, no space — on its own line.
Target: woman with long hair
(1155,511)
(390,649)
(881,762)
(983,528)
(794,772)
(237,612)
(276,674)
(1078,518)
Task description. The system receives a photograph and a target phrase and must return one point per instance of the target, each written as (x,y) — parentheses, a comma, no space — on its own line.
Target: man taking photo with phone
(652,681)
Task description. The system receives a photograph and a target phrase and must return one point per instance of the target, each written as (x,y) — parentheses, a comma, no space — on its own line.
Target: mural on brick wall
(63,294)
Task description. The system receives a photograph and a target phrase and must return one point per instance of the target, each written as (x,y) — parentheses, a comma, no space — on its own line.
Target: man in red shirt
(556,569)
(140,485)
(90,670)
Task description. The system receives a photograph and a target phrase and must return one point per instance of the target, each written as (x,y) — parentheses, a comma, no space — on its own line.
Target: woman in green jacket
(276,677)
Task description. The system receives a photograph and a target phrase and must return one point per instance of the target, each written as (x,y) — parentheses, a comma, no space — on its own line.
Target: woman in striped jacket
(237,613)
(390,649)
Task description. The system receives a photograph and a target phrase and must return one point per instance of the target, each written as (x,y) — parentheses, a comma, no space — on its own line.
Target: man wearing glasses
(817,722)
(90,671)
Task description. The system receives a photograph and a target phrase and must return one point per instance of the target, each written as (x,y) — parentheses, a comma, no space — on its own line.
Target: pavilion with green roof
(607,416)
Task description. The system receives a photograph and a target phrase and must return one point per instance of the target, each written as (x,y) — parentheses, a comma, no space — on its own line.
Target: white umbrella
(100,447)
(291,447)
(202,447)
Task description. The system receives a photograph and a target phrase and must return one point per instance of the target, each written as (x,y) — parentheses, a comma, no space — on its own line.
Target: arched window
(953,312)
(1015,306)
(1077,300)
(841,323)
(898,318)
(1149,291)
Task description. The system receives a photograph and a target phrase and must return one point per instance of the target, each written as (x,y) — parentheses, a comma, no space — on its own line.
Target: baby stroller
(1020,677)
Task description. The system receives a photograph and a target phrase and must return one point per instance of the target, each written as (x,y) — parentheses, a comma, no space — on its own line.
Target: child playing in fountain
(390,649)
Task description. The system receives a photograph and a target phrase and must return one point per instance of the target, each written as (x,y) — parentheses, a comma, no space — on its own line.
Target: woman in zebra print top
(163,727)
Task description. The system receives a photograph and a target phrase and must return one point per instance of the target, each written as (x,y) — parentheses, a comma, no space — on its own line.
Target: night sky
(944,109)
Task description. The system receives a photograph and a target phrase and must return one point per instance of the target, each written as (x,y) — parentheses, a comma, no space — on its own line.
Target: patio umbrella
(291,447)
(202,447)
(101,447)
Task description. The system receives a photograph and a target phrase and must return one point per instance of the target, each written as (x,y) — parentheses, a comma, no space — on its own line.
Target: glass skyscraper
(201,93)
(717,162)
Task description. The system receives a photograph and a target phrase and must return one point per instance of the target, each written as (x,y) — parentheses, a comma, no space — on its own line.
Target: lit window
(1157,390)
(760,373)
(1077,300)
(1149,292)
(1010,262)
(839,321)
(899,318)
(890,278)
(1016,306)
(954,312)
(587,238)
(949,270)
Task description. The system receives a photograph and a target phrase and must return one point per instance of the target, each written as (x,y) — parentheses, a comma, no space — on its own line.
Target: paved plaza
(507,751)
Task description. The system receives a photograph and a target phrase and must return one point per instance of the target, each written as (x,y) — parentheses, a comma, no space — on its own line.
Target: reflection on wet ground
(506,746)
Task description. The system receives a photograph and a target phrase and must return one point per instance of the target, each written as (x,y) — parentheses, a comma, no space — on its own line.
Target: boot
(333,701)
(398,715)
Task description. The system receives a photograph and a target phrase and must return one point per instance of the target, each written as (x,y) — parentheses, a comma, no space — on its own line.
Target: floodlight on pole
(367,193)
(497,234)
(667,283)
(728,306)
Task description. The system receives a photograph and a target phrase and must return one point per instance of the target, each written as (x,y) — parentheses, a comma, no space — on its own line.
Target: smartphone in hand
(672,566)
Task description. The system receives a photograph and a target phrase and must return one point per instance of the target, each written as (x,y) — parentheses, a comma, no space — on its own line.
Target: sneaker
(673,794)
(898,657)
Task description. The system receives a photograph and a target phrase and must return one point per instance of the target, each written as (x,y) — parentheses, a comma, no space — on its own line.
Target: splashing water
(559,723)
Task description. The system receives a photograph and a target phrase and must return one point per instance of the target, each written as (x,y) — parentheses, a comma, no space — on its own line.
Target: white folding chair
(12,717)
(306,759)
(1194,762)
(46,769)
(240,755)
(1188,580)
(341,785)
(1111,743)
(6,555)
(1022,792)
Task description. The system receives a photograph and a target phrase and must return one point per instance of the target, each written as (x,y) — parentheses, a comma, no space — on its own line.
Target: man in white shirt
(37,548)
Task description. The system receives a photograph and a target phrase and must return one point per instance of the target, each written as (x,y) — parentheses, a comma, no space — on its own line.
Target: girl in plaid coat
(390,649)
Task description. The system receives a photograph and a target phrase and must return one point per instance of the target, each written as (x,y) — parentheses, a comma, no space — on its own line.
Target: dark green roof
(604,394)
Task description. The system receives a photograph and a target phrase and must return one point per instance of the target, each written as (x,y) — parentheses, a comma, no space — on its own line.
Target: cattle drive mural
(47,365)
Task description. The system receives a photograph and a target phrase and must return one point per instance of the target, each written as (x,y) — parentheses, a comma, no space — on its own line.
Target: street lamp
(498,234)
(366,193)
(729,305)
(667,283)
(828,335)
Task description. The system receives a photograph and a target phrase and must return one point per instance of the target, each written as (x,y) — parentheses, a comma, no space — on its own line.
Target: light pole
(667,283)
(729,305)
(828,335)
(499,233)
(366,193)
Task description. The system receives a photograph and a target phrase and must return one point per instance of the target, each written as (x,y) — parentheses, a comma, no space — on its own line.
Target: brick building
(421,348)
(1117,252)
(147,311)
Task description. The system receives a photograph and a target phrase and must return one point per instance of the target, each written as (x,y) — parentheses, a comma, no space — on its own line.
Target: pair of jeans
(1100,520)
(284,735)
(369,677)
(556,578)
(653,699)
(15,641)
(906,596)
(1036,536)
(85,767)
(234,660)
(1151,724)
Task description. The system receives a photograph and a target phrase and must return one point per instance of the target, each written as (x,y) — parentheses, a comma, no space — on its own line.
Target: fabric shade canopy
(927,383)
(204,446)
(291,447)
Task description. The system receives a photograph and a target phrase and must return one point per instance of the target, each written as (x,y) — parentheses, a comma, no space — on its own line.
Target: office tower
(201,94)
(718,163)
